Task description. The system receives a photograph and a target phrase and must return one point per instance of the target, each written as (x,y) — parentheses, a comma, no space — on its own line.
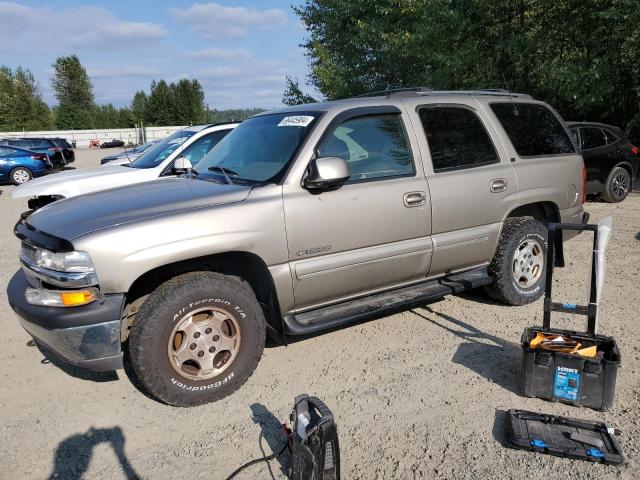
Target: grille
(29,254)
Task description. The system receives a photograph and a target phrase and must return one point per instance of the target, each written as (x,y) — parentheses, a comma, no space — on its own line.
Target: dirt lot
(419,394)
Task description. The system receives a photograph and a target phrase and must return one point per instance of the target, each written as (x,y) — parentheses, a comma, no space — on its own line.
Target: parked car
(39,145)
(610,158)
(192,143)
(300,220)
(67,149)
(112,144)
(18,165)
(127,156)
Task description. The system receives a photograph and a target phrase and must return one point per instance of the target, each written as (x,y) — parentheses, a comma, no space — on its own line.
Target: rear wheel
(618,185)
(519,264)
(20,175)
(196,339)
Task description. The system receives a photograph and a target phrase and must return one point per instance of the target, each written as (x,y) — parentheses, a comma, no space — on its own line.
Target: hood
(73,182)
(73,217)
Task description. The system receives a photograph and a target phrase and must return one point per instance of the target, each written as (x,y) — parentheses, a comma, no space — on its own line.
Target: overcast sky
(239,50)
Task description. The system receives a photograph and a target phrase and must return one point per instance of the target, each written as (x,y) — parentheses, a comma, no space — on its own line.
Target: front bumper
(86,336)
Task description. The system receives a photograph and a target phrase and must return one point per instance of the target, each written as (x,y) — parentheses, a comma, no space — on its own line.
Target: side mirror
(326,172)
(182,165)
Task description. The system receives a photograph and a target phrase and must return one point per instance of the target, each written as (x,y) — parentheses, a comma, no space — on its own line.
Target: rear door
(471,181)
(596,155)
(373,232)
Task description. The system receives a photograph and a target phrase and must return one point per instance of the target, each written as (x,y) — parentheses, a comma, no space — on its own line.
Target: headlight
(79,262)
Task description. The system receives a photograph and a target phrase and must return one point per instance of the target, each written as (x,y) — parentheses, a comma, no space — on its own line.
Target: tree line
(583,57)
(175,103)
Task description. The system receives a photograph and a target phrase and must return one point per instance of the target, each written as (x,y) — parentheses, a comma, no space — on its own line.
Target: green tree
(139,107)
(161,104)
(293,94)
(582,57)
(21,105)
(74,92)
(189,102)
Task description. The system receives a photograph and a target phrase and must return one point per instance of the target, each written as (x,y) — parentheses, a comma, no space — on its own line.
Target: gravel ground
(419,394)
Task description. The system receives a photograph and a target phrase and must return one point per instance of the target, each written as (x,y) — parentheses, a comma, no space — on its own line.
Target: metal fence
(83,138)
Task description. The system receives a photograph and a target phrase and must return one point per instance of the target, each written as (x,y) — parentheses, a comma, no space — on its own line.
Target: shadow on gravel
(492,357)
(73,455)
(81,373)
(272,432)
(500,428)
(478,295)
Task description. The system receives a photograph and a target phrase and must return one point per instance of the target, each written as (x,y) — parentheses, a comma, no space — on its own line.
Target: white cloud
(27,28)
(126,71)
(222,54)
(212,20)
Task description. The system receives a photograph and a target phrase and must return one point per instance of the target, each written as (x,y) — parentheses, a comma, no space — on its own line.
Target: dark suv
(611,160)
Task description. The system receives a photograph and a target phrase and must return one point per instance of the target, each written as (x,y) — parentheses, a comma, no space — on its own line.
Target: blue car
(18,165)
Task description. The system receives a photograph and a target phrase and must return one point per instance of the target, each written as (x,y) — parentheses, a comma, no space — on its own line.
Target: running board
(373,305)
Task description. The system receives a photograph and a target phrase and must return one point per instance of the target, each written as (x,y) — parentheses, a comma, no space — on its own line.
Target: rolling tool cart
(578,368)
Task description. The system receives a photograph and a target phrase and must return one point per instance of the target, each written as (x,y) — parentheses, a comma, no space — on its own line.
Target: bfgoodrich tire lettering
(150,363)
(518,267)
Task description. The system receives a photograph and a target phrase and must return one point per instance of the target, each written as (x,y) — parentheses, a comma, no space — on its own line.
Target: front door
(373,232)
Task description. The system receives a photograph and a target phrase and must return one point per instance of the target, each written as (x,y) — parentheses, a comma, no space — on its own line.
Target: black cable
(258,460)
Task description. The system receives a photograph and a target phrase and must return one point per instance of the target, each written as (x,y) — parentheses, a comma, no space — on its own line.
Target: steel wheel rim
(528,263)
(620,185)
(20,176)
(204,343)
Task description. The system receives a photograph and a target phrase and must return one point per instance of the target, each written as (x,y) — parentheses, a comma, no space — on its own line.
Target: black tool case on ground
(563,437)
(563,377)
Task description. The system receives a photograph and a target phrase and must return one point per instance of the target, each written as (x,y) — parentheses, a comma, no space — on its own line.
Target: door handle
(414,199)
(498,185)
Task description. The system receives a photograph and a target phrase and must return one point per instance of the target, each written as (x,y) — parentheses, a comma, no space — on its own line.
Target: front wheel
(196,339)
(618,185)
(518,267)
(20,175)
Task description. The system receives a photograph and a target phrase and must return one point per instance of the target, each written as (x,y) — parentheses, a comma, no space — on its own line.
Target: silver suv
(300,220)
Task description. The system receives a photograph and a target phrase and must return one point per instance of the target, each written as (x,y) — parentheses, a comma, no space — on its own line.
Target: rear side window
(611,137)
(457,138)
(21,143)
(533,129)
(593,138)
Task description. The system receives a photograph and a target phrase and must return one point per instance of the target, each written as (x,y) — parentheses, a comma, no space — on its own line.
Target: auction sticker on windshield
(296,121)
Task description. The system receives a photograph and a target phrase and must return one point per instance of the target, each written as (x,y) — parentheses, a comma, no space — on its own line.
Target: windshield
(155,155)
(259,149)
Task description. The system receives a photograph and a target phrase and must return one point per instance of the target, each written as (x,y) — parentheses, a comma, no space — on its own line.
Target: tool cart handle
(555,257)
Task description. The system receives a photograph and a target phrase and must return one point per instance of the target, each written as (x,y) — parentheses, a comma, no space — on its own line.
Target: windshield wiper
(225,171)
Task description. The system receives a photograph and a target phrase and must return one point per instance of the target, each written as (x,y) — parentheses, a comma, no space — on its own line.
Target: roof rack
(391,91)
(494,92)
(426,92)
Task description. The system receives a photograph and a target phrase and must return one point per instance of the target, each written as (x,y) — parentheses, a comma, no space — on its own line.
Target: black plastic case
(549,434)
(562,377)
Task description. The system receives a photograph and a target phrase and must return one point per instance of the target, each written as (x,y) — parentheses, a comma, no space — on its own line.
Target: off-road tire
(23,173)
(611,192)
(504,287)
(148,361)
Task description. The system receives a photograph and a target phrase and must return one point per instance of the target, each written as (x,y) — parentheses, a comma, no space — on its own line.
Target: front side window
(593,138)
(259,149)
(375,147)
(533,129)
(161,150)
(457,138)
